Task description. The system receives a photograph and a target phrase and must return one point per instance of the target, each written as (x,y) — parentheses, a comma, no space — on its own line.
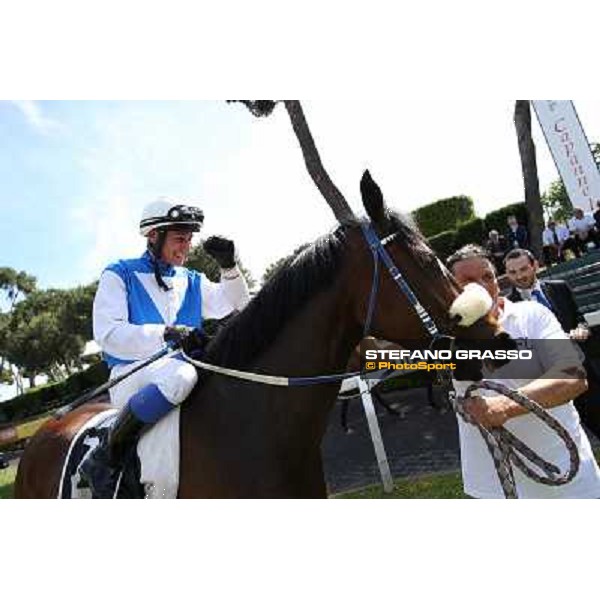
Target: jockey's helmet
(165,213)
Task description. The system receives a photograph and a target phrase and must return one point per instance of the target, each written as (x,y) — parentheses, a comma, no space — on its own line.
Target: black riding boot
(101,468)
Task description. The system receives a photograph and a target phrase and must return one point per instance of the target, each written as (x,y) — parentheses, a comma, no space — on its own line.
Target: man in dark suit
(516,235)
(521,269)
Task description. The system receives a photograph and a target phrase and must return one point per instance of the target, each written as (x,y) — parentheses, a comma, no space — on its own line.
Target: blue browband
(379,252)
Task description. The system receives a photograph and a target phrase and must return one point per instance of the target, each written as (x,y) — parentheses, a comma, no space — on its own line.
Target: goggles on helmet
(177,215)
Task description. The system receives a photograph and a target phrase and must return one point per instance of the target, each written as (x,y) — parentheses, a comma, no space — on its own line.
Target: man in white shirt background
(556,240)
(583,228)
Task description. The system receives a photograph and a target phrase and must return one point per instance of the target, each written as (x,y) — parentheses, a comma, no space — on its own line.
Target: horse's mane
(254,329)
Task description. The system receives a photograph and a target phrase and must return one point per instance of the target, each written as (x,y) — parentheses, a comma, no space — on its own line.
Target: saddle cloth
(88,437)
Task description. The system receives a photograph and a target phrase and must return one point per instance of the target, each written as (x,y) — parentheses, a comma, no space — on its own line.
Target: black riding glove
(222,250)
(190,340)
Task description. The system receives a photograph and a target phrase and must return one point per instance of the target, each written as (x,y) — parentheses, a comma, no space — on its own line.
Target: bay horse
(241,439)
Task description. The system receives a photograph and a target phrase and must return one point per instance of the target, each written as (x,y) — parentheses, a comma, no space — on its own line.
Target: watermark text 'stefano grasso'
(498,362)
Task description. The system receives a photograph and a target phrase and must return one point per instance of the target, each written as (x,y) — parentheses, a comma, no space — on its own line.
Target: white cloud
(32,112)
(108,223)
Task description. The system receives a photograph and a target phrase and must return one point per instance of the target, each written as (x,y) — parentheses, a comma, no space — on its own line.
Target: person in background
(596,215)
(516,235)
(583,228)
(556,240)
(496,248)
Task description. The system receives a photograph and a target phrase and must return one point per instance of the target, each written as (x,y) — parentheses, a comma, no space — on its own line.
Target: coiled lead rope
(504,446)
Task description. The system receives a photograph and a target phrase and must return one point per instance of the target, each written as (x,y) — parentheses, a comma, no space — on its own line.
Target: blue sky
(75,175)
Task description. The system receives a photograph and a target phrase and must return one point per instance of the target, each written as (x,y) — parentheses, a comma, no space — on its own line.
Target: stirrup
(98,472)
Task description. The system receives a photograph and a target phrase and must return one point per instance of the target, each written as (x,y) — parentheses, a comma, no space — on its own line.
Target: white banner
(570,150)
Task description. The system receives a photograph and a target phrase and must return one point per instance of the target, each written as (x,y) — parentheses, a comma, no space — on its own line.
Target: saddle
(72,485)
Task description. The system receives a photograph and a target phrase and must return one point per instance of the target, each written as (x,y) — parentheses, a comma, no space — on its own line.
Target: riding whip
(61,412)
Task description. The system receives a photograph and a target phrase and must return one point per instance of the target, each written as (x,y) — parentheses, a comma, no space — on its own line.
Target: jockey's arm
(221,299)
(112,330)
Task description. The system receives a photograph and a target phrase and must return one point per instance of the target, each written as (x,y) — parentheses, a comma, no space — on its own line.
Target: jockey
(141,306)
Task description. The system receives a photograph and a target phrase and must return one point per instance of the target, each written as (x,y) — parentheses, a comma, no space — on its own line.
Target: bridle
(377,247)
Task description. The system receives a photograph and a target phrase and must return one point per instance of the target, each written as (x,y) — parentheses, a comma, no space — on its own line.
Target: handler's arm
(552,389)
(563,380)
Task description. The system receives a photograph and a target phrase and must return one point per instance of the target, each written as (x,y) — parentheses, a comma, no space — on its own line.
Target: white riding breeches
(158,449)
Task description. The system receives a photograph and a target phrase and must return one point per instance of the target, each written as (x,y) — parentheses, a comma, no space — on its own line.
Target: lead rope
(503,445)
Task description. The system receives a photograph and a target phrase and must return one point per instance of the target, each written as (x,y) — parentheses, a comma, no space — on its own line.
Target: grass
(7,478)
(446,485)
(440,486)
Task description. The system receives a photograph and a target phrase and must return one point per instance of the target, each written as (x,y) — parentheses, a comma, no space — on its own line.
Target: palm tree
(533,202)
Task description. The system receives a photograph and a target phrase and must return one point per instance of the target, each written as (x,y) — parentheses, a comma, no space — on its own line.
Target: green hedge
(443,215)
(443,243)
(497,218)
(473,232)
(49,397)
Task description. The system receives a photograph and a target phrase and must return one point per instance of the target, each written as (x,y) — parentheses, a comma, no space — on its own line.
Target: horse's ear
(373,200)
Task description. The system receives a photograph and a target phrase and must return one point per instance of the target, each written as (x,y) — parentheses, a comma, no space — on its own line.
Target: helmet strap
(156,252)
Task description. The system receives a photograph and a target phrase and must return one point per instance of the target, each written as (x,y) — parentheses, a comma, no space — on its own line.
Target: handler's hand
(490,411)
(580,334)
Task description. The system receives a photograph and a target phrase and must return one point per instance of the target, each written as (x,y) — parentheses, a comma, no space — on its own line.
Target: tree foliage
(273,268)
(47,331)
(13,284)
(556,202)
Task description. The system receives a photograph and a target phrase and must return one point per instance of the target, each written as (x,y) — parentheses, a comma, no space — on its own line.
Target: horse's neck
(241,439)
(317,341)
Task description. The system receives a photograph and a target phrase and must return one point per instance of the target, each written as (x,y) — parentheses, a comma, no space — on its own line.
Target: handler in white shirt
(553,378)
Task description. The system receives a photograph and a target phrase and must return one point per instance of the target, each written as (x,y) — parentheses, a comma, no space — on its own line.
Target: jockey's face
(176,247)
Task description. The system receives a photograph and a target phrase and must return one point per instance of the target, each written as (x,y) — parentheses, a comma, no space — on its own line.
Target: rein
(277,380)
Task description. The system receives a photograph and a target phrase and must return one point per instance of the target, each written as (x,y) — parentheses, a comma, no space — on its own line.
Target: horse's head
(394,316)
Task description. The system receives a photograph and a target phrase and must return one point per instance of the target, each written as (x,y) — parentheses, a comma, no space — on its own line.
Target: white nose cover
(474,303)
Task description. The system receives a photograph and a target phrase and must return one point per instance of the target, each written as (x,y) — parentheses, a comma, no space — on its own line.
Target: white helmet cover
(165,212)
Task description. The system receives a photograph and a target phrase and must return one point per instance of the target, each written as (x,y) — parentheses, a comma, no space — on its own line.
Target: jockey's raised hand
(222,250)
